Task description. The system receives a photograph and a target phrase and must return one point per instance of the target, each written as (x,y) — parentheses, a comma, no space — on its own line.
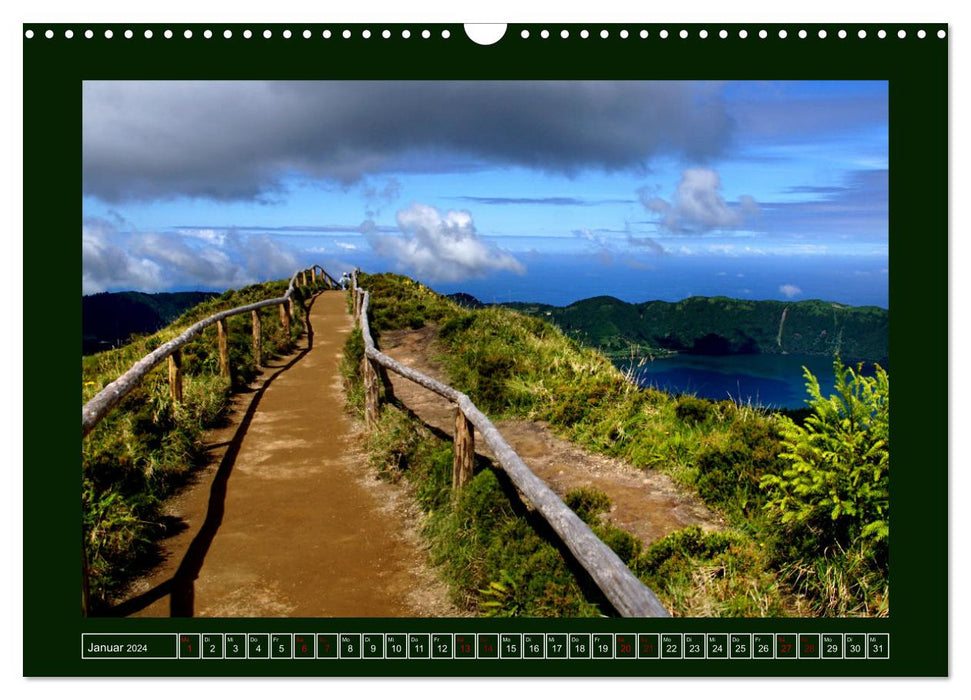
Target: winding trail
(286,521)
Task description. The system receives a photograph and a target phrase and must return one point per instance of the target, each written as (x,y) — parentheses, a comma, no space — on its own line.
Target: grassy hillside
(146,448)
(109,319)
(775,560)
(720,326)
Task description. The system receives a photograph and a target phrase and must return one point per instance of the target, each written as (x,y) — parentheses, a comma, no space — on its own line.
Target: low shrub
(714,574)
(693,410)
(730,467)
(587,503)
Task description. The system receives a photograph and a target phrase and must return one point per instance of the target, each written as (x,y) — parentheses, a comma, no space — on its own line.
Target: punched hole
(488,34)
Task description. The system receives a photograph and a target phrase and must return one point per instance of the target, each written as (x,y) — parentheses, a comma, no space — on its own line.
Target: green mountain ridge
(721,326)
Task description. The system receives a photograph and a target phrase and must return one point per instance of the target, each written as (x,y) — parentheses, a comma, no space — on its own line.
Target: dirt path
(286,521)
(646,504)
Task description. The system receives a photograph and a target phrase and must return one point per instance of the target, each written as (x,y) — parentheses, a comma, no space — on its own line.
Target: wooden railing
(629,596)
(109,397)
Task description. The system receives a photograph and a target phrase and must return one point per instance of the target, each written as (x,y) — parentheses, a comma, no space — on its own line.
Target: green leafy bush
(482,505)
(687,543)
(624,544)
(691,409)
(587,503)
(714,574)
(832,500)
(732,465)
(838,479)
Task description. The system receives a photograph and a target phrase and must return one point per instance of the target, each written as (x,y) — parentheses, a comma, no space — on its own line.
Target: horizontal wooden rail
(629,596)
(330,280)
(101,404)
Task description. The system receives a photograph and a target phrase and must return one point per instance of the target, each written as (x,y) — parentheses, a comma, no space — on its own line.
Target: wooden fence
(629,596)
(101,404)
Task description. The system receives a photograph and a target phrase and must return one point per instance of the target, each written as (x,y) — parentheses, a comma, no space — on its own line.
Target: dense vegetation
(787,551)
(835,491)
(109,319)
(148,446)
(721,326)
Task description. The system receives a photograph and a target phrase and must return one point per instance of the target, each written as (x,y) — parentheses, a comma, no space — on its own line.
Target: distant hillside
(109,319)
(466,300)
(723,326)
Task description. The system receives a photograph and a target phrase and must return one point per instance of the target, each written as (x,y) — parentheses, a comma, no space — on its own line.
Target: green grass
(483,540)
(512,365)
(148,446)
(494,555)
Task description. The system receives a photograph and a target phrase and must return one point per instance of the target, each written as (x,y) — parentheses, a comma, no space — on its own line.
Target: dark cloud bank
(238,140)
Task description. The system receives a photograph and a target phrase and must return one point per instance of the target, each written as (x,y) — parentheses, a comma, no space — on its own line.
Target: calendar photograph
(664,305)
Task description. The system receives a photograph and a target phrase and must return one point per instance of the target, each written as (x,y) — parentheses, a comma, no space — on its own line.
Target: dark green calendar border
(917,71)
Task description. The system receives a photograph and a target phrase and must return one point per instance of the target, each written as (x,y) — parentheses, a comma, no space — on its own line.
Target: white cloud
(648,243)
(733,251)
(790,290)
(152,262)
(106,264)
(697,205)
(588,235)
(206,234)
(807,249)
(441,246)
(262,257)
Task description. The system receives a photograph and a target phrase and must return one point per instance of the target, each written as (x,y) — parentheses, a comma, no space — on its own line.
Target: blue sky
(652,190)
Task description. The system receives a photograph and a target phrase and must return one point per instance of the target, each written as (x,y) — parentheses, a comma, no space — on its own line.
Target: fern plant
(838,475)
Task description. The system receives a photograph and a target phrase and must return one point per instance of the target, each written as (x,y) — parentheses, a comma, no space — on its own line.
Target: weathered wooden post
(313,274)
(463,445)
(257,339)
(285,322)
(385,380)
(223,326)
(358,302)
(370,392)
(290,307)
(303,279)
(175,376)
